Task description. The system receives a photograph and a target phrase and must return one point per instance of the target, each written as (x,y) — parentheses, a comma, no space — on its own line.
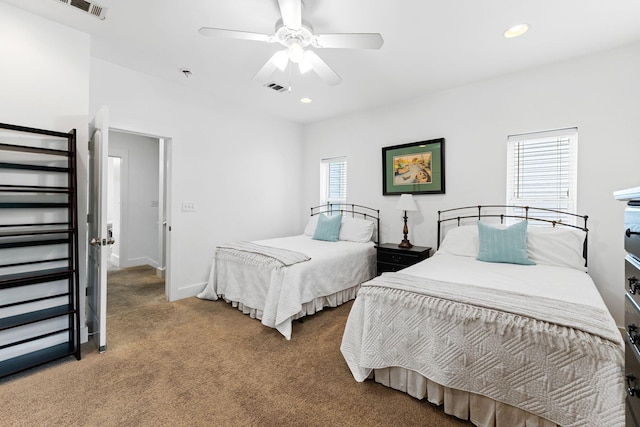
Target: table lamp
(406,203)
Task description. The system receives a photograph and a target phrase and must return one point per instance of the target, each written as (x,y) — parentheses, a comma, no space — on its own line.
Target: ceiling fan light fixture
(516,31)
(296,52)
(296,35)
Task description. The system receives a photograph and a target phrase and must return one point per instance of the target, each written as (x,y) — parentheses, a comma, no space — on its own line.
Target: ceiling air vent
(89,7)
(276,86)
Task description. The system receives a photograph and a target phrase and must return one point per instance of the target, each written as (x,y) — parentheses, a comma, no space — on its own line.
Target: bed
(281,280)
(498,341)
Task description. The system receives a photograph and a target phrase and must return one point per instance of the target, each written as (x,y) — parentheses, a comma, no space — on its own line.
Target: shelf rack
(39,283)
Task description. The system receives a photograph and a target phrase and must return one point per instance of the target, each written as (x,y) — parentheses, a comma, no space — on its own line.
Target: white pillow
(559,246)
(356,229)
(462,241)
(352,229)
(311,225)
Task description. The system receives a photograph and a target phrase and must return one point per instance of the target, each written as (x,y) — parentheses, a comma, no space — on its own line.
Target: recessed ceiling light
(516,30)
(306,100)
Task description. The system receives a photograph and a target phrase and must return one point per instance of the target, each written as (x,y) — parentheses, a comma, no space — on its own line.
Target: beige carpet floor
(204,363)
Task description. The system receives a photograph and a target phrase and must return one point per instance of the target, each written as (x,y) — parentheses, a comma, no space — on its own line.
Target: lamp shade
(406,203)
(296,52)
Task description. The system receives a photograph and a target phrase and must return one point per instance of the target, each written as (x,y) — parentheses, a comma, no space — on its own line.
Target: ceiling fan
(296,35)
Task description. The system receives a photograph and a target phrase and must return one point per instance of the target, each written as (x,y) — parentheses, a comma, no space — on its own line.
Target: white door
(97,229)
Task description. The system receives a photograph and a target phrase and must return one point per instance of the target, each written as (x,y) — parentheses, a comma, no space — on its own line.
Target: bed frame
(355,211)
(470,214)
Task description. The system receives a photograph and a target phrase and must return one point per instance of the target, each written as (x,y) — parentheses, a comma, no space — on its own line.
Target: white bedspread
(278,291)
(555,352)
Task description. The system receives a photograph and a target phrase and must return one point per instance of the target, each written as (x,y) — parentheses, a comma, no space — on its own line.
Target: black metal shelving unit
(39,283)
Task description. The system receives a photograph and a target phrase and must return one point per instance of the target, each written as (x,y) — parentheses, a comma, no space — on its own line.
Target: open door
(97,229)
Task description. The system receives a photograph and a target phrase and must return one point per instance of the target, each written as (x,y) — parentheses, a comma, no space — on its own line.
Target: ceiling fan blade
(278,60)
(291,11)
(232,34)
(349,41)
(321,68)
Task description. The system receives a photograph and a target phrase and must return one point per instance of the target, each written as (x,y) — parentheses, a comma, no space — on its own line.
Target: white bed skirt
(309,308)
(480,410)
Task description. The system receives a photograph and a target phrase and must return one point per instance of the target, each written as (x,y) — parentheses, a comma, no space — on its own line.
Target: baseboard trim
(134,262)
(187,291)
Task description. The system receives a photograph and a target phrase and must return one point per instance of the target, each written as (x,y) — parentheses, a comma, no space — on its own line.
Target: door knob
(96,241)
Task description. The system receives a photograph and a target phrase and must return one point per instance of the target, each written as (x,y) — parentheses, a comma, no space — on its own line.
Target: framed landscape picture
(414,168)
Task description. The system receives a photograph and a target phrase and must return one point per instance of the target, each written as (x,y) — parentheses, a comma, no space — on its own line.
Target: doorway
(137,200)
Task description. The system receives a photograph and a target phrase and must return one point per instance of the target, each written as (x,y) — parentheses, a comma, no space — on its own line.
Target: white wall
(138,235)
(44,83)
(241,168)
(600,94)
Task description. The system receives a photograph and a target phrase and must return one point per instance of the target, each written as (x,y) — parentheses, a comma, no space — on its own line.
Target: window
(333,180)
(542,172)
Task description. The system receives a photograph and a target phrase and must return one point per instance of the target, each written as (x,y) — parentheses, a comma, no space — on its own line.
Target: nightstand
(393,258)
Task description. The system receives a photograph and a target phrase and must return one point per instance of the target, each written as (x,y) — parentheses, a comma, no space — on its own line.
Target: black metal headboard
(544,215)
(355,211)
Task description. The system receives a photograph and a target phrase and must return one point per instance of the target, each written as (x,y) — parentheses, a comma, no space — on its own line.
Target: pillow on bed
(311,225)
(506,245)
(328,228)
(559,246)
(356,230)
(461,241)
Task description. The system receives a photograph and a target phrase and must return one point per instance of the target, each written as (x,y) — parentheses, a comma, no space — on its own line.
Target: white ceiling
(429,45)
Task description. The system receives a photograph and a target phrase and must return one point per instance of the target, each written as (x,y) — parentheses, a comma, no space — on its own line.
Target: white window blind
(333,180)
(542,172)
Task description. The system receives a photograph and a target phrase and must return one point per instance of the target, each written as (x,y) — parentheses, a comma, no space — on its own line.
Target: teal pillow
(328,228)
(508,245)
